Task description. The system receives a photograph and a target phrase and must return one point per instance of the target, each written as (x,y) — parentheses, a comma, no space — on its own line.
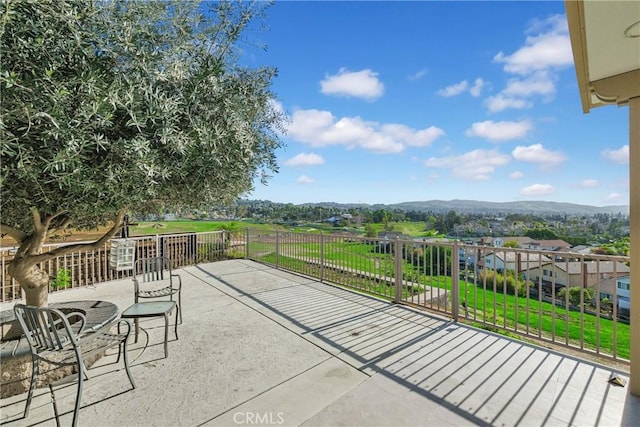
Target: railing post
(455,281)
(225,246)
(321,257)
(277,249)
(157,237)
(246,243)
(634,250)
(398,265)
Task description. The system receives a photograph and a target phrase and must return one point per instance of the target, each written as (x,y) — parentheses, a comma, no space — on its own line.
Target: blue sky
(405,101)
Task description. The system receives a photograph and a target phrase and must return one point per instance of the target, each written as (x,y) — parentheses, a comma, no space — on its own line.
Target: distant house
(337,220)
(391,235)
(574,273)
(386,238)
(581,249)
(509,260)
(616,289)
(555,245)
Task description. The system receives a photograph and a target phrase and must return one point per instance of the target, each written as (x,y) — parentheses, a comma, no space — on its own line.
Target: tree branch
(13,232)
(40,228)
(37,220)
(60,227)
(62,250)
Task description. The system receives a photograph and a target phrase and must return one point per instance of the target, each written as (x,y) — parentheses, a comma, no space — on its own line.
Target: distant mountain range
(480,207)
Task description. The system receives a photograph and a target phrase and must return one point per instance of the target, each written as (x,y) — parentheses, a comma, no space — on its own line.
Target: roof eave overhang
(575,19)
(616,89)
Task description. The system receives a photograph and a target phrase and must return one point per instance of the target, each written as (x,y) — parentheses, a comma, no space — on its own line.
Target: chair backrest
(153,269)
(45,328)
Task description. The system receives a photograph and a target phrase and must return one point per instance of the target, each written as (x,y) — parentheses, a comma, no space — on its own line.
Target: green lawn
(415,229)
(544,318)
(190,226)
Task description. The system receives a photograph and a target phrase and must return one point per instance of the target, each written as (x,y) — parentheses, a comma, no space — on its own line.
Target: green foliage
(62,279)
(575,295)
(619,247)
(506,280)
(129,105)
(511,244)
(370,230)
(541,233)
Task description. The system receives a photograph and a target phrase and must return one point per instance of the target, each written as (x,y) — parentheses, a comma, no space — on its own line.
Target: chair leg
(76,409)
(32,385)
(120,347)
(166,333)
(180,305)
(126,360)
(85,371)
(176,325)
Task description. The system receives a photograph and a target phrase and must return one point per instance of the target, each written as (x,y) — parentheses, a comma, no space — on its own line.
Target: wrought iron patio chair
(61,340)
(153,278)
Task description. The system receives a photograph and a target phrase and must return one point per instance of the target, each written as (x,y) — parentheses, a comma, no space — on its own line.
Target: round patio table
(97,313)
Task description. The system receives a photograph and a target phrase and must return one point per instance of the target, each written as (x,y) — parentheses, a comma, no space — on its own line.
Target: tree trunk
(33,280)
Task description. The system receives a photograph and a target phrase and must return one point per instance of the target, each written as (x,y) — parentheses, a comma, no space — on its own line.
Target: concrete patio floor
(261,346)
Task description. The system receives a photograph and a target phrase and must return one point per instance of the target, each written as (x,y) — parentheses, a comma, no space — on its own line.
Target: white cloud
(539,83)
(477,165)
(536,153)
(359,84)
(320,128)
(476,89)
(418,75)
(411,137)
(455,89)
(461,87)
(499,103)
(499,131)
(538,190)
(516,175)
(546,50)
(303,179)
(550,48)
(620,155)
(588,183)
(304,159)
(615,198)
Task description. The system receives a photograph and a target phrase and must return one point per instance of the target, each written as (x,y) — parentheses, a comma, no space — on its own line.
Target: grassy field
(189,226)
(414,229)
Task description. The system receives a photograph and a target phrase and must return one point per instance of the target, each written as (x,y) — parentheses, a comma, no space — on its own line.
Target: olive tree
(111,107)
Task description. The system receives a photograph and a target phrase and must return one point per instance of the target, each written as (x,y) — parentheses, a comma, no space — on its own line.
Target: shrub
(508,277)
(62,279)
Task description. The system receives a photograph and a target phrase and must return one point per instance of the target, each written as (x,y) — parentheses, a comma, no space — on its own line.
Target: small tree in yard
(576,293)
(124,106)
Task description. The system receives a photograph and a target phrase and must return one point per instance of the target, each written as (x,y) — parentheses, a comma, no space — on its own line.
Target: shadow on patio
(263,346)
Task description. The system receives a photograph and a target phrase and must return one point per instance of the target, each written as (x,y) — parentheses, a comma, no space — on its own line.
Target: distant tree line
(574,229)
